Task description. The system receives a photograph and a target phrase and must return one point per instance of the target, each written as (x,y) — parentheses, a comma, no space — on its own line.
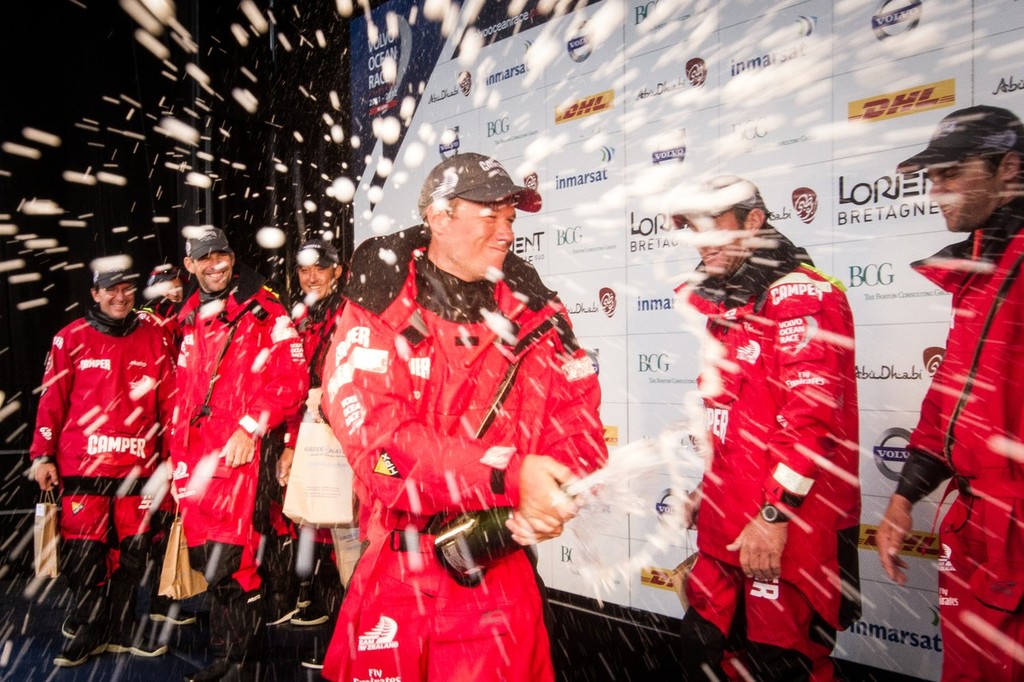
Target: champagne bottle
(471,542)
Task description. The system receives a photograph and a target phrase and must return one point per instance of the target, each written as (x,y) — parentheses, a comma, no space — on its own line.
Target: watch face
(770,513)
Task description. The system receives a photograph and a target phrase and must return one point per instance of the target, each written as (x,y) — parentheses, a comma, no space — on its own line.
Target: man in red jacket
(438,318)
(106,396)
(971,422)
(240,372)
(780,501)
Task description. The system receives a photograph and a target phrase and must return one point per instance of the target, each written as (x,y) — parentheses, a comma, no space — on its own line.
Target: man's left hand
(760,545)
(240,449)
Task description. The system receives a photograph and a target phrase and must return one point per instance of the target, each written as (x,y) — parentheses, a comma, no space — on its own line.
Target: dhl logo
(589,105)
(917,544)
(904,102)
(611,435)
(660,578)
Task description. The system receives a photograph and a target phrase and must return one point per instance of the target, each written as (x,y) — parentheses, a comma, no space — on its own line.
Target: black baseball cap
(317,252)
(206,240)
(165,273)
(974,131)
(110,278)
(474,177)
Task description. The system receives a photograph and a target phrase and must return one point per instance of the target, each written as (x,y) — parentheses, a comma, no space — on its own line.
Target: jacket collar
(381,266)
(750,283)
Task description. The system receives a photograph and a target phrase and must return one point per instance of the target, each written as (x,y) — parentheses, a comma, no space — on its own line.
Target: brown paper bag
(177,579)
(47,536)
(679,576)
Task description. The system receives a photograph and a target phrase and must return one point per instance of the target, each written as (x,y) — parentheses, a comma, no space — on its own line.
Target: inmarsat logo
(580,45)
(891,451)
(894,17)
(382,636)
(805,203)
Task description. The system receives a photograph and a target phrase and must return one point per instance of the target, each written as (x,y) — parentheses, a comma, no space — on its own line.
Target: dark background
(73,68)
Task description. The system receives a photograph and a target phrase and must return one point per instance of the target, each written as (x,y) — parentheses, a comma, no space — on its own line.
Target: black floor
(615,645)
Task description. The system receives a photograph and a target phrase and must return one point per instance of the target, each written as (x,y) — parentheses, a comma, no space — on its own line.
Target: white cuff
(791,480)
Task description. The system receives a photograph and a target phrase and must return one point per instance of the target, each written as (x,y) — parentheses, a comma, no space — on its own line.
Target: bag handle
(47,497)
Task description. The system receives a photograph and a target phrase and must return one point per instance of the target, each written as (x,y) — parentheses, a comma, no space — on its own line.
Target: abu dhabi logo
(890,454)
(580,45)
(933,356)
(805,203)
(608,300)
(381,636)
(449,145)
(697,72)
(894,17)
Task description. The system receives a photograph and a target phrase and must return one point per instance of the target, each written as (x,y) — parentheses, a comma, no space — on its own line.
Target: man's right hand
(46,476)
(896,525)
(543,506)
(691,507)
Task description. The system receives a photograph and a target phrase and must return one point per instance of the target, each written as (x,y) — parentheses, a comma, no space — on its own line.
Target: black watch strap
(772,514)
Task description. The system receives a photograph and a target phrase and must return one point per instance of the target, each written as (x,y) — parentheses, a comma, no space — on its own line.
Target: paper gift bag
(177,579)
(47,537)
(320,482)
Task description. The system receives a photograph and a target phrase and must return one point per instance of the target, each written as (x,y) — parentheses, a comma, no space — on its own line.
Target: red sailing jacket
(262,374)
(972,416)
(407,387)
(105,400)
(781,404)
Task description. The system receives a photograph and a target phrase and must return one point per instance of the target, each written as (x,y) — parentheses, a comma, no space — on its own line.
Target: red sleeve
(58,381)
(285,376)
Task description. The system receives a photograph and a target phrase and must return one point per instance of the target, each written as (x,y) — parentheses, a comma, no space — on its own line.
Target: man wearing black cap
(240,372)
(107,393)
(780,502)
(454,383)
(971,423)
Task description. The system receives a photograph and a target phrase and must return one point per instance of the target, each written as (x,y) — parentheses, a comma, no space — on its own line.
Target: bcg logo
(653,362)
(871,275)
(498,127)
(567,236)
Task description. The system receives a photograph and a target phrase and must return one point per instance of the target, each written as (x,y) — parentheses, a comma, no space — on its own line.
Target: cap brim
(201,253)
(931,157)
(526,199)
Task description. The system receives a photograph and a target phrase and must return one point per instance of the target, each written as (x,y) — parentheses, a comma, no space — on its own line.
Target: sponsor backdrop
(609,110)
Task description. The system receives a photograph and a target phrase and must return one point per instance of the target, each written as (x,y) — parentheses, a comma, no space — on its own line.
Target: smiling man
(780,502)
(971,423)
(106,396)
(240,372)
(440,317)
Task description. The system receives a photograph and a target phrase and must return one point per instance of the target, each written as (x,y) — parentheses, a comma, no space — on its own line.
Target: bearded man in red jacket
(971,423)
(241,371)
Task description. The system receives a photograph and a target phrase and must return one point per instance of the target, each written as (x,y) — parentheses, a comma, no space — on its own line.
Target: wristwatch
(772,514)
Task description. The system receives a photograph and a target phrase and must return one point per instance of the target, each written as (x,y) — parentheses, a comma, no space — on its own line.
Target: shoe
(144,648)
(164,609)
(311,615)
(280,608)
(313,663)
(68,629)
(80,649)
